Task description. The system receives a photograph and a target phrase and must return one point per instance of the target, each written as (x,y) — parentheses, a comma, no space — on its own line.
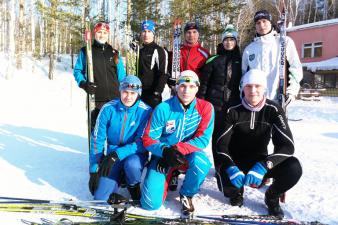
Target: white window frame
(312,47)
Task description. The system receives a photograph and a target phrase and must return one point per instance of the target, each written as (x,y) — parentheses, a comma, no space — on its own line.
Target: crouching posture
(177,132)
(120,123)
(243,146)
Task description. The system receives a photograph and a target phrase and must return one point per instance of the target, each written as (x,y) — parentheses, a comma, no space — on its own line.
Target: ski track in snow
(44,154)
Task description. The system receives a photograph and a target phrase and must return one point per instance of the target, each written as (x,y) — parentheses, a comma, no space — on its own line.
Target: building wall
(326,34)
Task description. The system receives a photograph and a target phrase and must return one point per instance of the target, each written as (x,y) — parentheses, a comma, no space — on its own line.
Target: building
(317,47)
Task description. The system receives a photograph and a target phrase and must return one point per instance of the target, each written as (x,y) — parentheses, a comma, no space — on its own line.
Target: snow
(44,155)
(329,64)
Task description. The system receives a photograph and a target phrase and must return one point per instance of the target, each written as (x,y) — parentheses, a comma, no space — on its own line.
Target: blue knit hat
(131,83)
(148,25)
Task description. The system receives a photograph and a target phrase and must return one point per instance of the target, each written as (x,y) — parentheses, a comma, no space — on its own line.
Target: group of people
(226,98)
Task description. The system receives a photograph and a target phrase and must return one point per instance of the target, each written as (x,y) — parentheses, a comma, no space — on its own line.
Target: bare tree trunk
(21,40)
(32,26)
(310,10)
(10,39)
(2,25)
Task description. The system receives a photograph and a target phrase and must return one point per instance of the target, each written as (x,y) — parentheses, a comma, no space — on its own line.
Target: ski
(133,57)
(90,76)
(282,68)
(175,69)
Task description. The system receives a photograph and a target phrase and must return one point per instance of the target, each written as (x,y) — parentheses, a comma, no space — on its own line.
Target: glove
(93,182)
(289,98)
(107,163)
(236,176)
(89,87)
(171,82)
(172,156)
(255,175)
(162,166)
(155,99)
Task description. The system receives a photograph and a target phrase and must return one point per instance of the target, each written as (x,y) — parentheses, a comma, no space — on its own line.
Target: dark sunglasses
(131,86)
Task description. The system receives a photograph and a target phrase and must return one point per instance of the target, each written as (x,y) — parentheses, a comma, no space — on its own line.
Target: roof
(329,64)
(313,25)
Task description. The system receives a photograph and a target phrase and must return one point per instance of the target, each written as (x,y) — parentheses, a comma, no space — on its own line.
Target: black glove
(93,182)
(171,82)
(162,166)
(107,163)
(89,87)
(172,156)
(155,99)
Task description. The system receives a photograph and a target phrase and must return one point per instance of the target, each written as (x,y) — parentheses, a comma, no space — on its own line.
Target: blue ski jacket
(170,124)
(121,128)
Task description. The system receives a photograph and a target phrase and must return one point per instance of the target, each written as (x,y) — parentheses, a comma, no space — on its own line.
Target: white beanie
(188,76)
(254,76)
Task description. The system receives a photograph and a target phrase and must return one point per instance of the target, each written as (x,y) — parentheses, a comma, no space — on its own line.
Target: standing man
(108,70)
(243,146)
(153,64)
(193,55)
(264,54)
(120,124)
(176,135)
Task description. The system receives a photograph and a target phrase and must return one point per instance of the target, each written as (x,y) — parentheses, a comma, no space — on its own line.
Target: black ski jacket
(218,85)
(247,134)
(153,63)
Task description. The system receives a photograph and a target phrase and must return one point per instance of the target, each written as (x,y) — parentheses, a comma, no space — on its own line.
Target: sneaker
(272,202)
(237,200)
(187,206)
(173,183)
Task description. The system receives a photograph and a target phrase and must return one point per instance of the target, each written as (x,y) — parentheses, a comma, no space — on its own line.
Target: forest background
(49,28)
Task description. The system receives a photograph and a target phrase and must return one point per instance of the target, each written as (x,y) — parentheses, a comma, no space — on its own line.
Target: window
(312,50)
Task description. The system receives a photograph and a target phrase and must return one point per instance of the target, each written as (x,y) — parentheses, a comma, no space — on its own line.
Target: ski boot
(135,194)
(237,199)
(187,207)
(272,202)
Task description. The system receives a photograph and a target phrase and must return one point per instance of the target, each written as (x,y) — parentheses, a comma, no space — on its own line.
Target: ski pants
(155,186)
(285,175)
(132,168)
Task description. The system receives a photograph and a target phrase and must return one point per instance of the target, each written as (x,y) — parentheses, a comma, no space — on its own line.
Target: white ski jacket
(264,54)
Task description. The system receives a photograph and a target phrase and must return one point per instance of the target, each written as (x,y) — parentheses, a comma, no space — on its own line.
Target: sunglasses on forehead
(131,86)
(182,80)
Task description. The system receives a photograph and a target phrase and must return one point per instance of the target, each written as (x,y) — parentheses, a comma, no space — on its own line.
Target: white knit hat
(254,76)
(188,76)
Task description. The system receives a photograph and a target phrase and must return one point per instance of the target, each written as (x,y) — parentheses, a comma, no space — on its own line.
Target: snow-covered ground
(44,154)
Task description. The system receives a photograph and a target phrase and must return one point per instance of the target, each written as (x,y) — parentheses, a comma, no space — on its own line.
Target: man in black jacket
(153,63)
(243,146)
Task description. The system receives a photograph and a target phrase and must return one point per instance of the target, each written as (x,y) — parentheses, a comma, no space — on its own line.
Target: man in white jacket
(264,54)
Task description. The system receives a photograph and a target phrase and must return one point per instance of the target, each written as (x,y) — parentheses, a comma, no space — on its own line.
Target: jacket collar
(180,107)
(122,107)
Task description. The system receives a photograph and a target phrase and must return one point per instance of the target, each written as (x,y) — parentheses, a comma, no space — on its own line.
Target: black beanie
(262,14)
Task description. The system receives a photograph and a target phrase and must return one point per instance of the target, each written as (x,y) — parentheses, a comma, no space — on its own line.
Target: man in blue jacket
(120,123)
(108,70)
(176,135)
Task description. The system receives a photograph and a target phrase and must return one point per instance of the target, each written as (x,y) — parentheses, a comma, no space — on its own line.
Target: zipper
(105,69)
(123,126)
(252,121)
(182,128)
(186,63)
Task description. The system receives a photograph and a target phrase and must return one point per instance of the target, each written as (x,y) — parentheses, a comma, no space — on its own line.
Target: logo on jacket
(132,123)
(251,57)
(170,126)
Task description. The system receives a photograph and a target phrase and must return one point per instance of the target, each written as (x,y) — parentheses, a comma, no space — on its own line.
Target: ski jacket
(153,64)
(220,79)
(121,127)
(264,54)
(107,73)
(193,57)
(170,124)
(247,134)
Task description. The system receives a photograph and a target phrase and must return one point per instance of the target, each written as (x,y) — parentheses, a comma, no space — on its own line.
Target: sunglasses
(182,80)
(131,86)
